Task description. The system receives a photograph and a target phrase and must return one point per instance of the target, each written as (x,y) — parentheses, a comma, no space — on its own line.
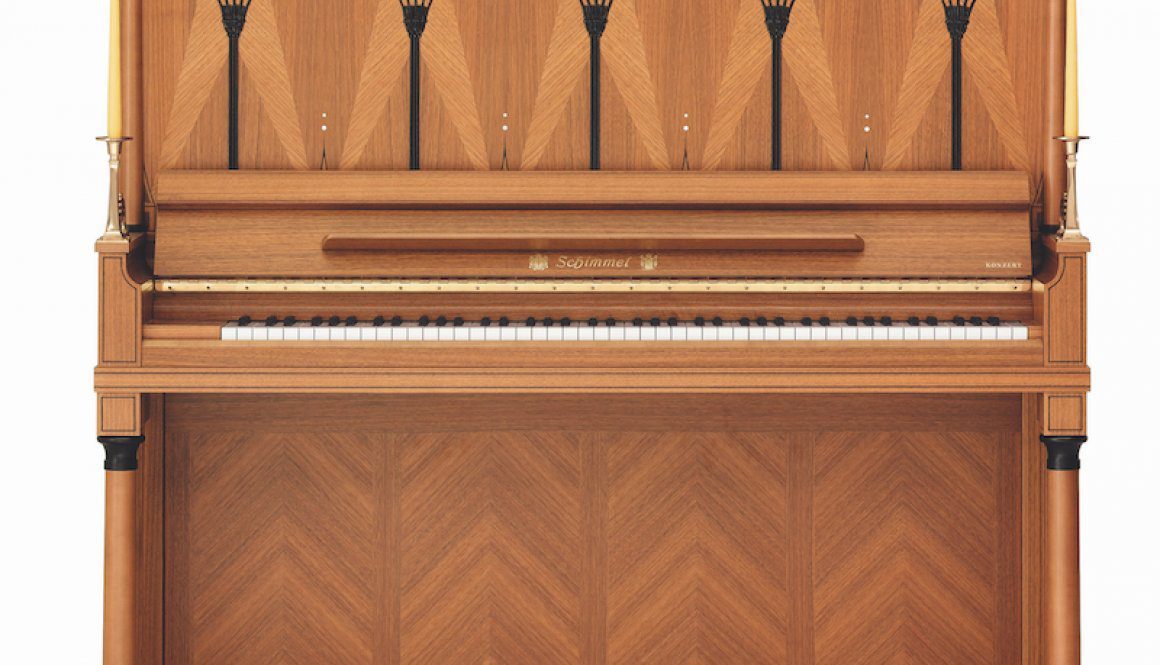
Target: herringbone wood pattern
(572,536)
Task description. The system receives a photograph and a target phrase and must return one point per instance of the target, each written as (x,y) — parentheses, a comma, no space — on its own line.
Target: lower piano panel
(597,529)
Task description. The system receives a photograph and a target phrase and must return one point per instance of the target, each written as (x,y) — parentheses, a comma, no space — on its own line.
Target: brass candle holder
(1069,208)
(115,227)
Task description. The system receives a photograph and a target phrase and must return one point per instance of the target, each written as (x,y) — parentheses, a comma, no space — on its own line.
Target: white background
(51,483)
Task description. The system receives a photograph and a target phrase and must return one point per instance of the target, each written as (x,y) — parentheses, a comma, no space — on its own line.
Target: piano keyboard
(700,329)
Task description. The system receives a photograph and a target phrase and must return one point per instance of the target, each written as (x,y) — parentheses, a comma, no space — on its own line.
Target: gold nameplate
(566,262)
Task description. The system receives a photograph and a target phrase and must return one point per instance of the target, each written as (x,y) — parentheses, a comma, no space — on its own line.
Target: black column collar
(1063,452)
(121,452)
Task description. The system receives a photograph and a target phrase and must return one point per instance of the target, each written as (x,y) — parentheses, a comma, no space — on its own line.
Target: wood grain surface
(594,530)
(667,64)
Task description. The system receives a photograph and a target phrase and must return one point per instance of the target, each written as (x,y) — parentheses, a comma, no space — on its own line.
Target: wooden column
(120,547)
(1061,550)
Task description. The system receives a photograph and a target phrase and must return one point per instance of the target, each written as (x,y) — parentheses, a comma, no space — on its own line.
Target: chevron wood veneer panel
(558,529)
(663,59)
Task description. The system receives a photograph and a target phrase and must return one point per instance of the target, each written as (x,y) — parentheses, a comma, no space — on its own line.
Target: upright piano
(631,331)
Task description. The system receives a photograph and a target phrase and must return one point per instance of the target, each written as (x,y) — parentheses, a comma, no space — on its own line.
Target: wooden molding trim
(125,288)
(119,414)
(1063,414)
(974,190)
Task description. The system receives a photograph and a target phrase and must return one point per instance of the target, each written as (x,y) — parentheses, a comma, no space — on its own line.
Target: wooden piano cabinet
(600,529)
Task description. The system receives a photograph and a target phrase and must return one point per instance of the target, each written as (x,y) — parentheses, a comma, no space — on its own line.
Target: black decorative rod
(234,21)
(958,14)
(777,21)
(415,18)
(595,20)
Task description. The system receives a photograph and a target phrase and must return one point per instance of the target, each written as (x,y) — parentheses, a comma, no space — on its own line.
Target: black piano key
(531,322)
(441,321)
(762,321)
(566,322)
(245,321)
(610,322)
(638,322)
(504,322)
(271,321)
(825,321)
(396,321)
(994,321)
(352,321)
(424,320)
(674,322)
(655,322)
(485,322)
(548,322)
(699,321)
(593,322)
(869,321)
(744,321)
(289,322)
(334,321)
(914,321)
(976,320)
(779,321)
(379,321)
(932,320)
(887,321)
(316,321)
(807,321)
(718,321)
(851,321)
(457,322)
(959,321)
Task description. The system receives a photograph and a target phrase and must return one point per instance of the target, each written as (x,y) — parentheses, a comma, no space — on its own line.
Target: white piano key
(1005,332)
(632,332)
(230,332)
(511,334)
(415,332)
(880,333)
(865,333)
(680,333)
(585,333)
(276,334)
(245,333)
(1020,333)
(990,333)
(942,332)
(601,333)
(911,333)
(974,333)
(291,333)
(725,333)
(958,333)
(695,333)
(833,333)
(648,333)
(895,333)
(927,333)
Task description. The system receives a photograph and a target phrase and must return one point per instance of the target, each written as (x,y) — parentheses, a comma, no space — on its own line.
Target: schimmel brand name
(1004,265)
(582,262)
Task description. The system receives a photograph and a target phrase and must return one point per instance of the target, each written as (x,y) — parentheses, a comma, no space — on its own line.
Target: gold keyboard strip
(593,286)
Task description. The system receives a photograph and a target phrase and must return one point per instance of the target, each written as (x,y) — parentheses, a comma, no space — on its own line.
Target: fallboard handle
(607,242)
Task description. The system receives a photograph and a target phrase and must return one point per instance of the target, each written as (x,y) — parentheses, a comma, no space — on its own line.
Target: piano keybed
(640,329)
